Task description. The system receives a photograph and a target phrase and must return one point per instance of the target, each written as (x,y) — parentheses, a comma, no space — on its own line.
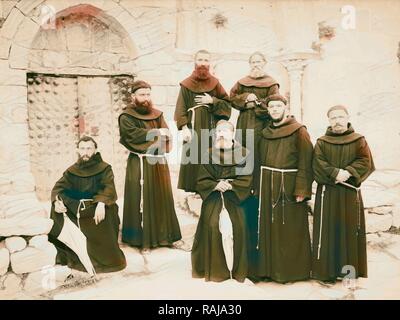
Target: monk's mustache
(202,68)
(84,158)
(222,140)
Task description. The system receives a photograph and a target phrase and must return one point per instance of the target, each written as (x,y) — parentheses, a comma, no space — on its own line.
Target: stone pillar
(295,69)
(295,64)
(187,31)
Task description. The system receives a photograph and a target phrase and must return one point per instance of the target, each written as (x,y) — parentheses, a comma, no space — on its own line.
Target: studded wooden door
(61,109)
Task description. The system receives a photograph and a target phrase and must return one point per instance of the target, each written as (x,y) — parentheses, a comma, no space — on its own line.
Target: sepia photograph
(199,150)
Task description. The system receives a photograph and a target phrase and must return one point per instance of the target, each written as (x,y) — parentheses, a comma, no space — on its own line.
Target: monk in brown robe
(88,187)
(149,219)
(202,101)
(284,179)
(248,96)
(342,161)
(224,181)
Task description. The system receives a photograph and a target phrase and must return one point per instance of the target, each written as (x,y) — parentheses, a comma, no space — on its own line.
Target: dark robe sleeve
(324,171)
(241,186)
(61,185)
(362,166)
(304,176)
(181,115)
(206,182)
(133,137)
(238,99)
(107,193)
(221,107)
(63,188)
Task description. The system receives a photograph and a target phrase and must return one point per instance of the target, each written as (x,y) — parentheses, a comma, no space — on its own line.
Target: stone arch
(82,40)
(17,34)
(78,64)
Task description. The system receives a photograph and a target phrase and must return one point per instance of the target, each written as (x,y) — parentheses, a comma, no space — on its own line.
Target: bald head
(224,134)
(225,123)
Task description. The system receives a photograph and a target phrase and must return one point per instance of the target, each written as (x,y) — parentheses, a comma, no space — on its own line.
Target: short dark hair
(201,51)
(275,97)
(139,84)
(85,139)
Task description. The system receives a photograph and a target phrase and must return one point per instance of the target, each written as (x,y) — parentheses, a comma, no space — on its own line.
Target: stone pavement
(165,273)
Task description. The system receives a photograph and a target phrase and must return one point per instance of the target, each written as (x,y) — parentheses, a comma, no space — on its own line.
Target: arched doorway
(76,86)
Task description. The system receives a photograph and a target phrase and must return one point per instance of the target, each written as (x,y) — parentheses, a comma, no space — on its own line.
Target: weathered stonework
(101,43)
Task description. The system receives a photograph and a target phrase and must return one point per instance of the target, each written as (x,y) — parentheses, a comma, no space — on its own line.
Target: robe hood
(341,138)
(92,167)
(199,86)
(237,155)
(154,114)
(263,82)
(285,129)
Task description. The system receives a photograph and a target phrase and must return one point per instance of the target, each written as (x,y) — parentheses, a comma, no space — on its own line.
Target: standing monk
(224,180)
(149,213)
(285,178)
(86,194)
(202,101)
(342,161)
(248,96)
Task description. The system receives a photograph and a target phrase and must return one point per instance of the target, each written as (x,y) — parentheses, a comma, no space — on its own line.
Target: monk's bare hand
(100,213)
(229,186)
(206,99)
(299,198)
(59,206)
(223,186)
(251,97)
(347,175)
(186,134)
(342,176)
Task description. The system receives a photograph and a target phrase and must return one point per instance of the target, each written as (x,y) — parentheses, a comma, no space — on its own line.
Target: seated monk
(86,194)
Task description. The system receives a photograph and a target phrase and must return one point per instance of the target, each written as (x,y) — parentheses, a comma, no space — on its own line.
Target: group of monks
(258,174)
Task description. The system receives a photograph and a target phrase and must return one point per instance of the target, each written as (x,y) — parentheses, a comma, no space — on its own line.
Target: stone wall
(314,69)
(315,58)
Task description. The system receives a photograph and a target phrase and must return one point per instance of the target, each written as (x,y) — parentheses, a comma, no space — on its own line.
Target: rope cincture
(282,195)
(193,109)
(141,181)
(358,201)
(78,214)
(320,221)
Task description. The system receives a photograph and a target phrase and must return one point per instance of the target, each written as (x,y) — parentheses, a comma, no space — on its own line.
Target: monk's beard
(256,73)
(82,160)
(144,107)
(202,72)
(339,129)
(222,143)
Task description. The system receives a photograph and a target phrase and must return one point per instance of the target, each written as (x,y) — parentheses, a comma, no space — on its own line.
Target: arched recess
(79,67)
